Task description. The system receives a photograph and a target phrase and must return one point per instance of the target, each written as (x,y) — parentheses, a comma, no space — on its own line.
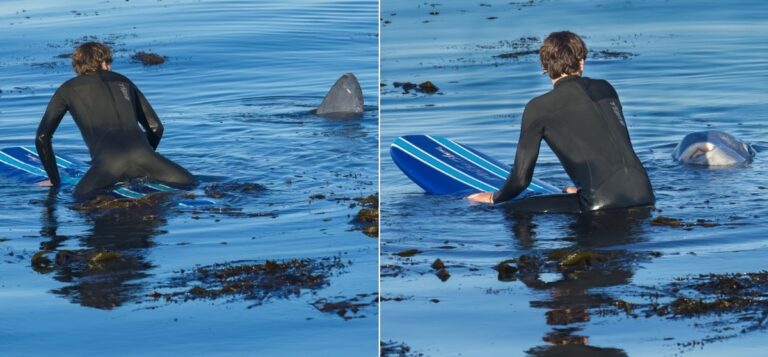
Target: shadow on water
(105,274)
(571,275)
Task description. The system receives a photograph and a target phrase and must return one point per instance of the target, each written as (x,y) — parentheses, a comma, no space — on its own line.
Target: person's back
(106,107)
(582,122)
(109,110)
(581,119)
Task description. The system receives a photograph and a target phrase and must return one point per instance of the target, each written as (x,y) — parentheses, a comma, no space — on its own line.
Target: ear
(581,65)
(106,66)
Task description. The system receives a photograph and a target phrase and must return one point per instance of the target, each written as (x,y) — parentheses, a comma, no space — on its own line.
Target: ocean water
(679,67)
(235,95)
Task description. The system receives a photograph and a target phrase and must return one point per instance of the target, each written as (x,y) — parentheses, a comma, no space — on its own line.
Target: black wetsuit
(581,119)
(108,108)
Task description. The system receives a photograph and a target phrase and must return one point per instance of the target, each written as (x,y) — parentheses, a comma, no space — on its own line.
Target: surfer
(108,109)
(581,120)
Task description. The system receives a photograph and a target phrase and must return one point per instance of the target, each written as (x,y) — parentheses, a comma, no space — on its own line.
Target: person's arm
(149,121)
(55,111)
(520,176)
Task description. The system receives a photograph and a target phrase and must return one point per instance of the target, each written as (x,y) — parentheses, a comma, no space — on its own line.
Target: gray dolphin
(713,148)
(344,99)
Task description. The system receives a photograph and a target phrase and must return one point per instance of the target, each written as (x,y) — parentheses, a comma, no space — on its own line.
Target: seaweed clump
(148,58)
(347,308)
(424,87)
(739,300)
(368,216)
(258,282)
(76,260)
(103,203)
(679,223)
(221,190)
(397,349)
(407,253)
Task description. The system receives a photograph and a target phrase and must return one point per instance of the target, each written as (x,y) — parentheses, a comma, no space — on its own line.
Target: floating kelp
(679,223)
(437,264)
(506,270)
(423,87)
(236,189)
(367,217)
(148,58)
(347,308)
(397,349)
(443,274)
(408,253)
(256,282)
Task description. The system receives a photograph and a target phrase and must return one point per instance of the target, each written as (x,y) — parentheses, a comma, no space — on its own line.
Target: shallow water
(690,66)
(235,96)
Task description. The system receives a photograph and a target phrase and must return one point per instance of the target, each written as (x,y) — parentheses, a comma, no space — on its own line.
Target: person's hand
(482,197)
(570,189)
(46,183)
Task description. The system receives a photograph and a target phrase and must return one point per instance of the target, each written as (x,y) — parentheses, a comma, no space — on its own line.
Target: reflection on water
(579,272)
(482,58)
(235,94)
(127,232)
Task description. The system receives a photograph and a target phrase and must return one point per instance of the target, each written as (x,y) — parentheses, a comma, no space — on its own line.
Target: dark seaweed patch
(367,218)
(148,58)
(233,189)
(347,308)
(679,223)
(397,349)
(443,274)
(391,270)
(102,203)
(424,87)
(255,282)
(408,253)
(610,54)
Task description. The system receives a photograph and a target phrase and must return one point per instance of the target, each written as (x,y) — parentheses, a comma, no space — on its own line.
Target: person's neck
(555,80)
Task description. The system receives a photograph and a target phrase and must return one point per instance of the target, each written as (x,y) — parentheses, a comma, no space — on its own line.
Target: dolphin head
(344,99)
(713,148)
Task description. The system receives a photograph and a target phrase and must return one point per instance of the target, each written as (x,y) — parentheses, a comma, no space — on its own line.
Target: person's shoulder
(600,83)
(601,86)
(69,83)
(112,75)
(540,101)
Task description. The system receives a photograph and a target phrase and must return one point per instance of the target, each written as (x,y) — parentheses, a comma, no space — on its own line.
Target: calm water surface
(688,66)
(235,95)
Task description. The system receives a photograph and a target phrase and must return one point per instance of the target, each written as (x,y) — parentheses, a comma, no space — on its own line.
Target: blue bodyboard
(22,164)
(444,167)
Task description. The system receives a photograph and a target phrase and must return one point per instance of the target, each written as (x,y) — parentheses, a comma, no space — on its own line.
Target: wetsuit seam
(611,135)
